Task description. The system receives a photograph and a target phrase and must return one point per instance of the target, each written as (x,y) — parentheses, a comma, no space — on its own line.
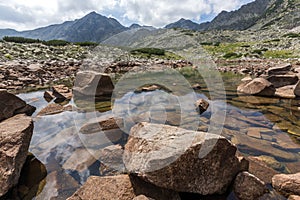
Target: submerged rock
(287,184)
(15,136)
(258,86)
(248,187)
(181,160)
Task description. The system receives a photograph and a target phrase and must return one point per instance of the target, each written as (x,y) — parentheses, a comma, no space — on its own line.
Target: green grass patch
(155,53)
(292,35)
(232,55)
(279,54)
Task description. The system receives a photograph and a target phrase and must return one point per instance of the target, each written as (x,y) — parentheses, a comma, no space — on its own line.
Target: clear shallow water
(258,126)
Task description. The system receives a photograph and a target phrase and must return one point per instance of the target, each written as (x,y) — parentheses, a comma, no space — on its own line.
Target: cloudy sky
(30,14)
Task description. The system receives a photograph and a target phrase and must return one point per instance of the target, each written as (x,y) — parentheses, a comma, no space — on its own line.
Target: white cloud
(31,14)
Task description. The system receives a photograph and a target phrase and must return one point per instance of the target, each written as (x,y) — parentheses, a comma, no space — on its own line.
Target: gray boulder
(181,160)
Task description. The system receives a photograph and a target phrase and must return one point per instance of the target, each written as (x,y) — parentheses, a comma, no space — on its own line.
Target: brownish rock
(48,96)
(201,105)
(286,92)
(258,86)
(283,80)
(62,92)
(15,136)
(294,197)
(51,109)
(11,105)
(248,187)
(287,184)
(106,188)
(260,169)
(173,158)
(92,84)
(297,89)
(279,69)
(121,187)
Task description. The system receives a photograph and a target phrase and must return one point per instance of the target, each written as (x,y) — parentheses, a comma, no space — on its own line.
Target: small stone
(201,105)
(248,187)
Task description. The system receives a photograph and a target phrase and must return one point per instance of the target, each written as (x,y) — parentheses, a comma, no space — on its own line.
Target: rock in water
(287,184)
(201,105)
(92,84)
(248,187)
(258,86)
(11,105)
(181,160)
(62,92)
(15,136)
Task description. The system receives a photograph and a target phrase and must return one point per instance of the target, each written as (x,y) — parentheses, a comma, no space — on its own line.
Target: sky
(30,14)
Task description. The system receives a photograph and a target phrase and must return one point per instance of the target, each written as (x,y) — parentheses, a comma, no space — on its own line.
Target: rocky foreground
(158,161)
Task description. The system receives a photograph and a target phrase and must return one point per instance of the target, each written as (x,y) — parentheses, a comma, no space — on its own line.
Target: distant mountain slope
(5,32)
(126,38)
(255,15)
(184,24)
(92,27)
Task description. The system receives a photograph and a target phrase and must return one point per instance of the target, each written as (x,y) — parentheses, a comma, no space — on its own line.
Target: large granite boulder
(121,187)
(258,86)
(11,105)
(287,184)
(92,84)
(15,136)
(181,160)
(248,187)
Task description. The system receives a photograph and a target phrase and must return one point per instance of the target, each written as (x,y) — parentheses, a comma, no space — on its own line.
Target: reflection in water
(265,127)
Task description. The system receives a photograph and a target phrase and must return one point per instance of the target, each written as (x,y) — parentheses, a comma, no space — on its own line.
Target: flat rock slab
(15,136)
(181,160)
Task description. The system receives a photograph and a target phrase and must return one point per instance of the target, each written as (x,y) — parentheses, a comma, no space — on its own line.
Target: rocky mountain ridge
(256,15)
(92,27)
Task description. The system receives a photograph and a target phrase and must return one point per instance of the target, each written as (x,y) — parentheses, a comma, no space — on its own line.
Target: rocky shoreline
(157,161)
